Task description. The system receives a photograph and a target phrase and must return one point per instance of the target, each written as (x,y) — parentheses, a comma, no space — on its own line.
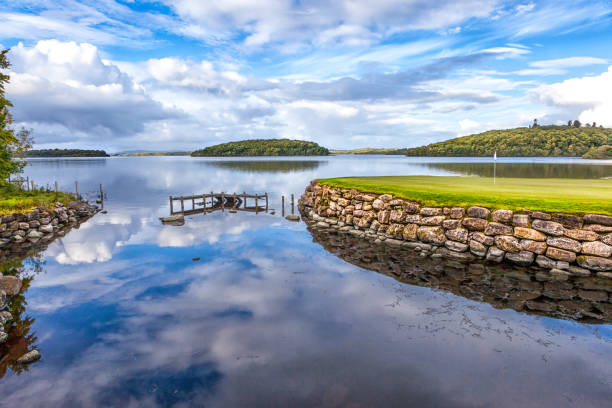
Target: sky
(173,75)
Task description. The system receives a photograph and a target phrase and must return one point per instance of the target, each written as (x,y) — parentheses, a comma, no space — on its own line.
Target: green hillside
(536,141)
(66,153)
(263,147)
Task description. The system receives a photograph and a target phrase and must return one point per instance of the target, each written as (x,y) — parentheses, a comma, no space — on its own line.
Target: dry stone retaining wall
(566,244)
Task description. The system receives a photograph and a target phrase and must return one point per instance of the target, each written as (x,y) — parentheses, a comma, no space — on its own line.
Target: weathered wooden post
(283,205)
(204,203)
(292,209)
(222,201)
(171,207)
(101,195)
(192,202)
(76,189)
(266,202)
(56,189)
(27,183)
(182,205)
(256,205)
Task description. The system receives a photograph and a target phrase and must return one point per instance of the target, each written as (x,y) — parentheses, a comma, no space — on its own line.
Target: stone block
(538,215)
(435,220)
(597,248)
(568,220)
(482,238)
(378,204)
(456,246)
(434,235)
(598,219)
(507,243)
(537,247)
(478,212)
(494,228)
(520,220)
(410,232)
(564,243)
(528,233)
(523,258)
(11,285)
(397,216)
(597,228)
(560,254)
(458,234)
(495,254)
(451,224)
(548,227)
(581,235)
(474,224)
(457,212)
(430,212)
(477,248)
(502,215)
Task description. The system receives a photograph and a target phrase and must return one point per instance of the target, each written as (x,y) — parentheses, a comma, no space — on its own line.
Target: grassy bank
(17,201)
(549,195)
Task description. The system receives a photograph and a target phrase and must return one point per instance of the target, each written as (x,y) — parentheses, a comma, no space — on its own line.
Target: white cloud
(590,96)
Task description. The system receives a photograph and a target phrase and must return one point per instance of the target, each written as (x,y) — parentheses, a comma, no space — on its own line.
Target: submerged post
(256,205)
(292,209)
(171,209)
(222,201)
(76,189)
(56,189)
(266,202)
(283,205)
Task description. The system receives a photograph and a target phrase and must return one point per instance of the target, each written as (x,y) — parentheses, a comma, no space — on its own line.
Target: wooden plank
(171,206)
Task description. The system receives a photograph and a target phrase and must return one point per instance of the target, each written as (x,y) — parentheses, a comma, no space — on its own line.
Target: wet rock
(597,248)
(593,295)
(594,263)
(433,235)
(604,275)
(537,247)
(11,285)
(430,212)
(578,271)
(494,228)
(528,233)
(29,357)
(393,242)
(47,229)
(172,218)
(478,212)
(507,243)
(564,243)
(548,227)
(548,263)
(457,212)
(474,224)
(568,220)
(560,254)
(458,234)
(456,246)
(410,232)
(322,224)
(477,248)
(495,254)
(541,306)
(598,219)
(523,258)
(581,235)
(457,256)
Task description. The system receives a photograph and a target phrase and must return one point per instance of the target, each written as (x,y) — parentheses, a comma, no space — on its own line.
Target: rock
(24,226)
(430,212)
(457,212)
(541,306)
(11,285)
(35,234)
(172,218)
(195,259)
(560,254)
(456,246)
(393,242)
(458,234)
(34,224)
(410,208)
(378,204)
(495,254)
(322,224)
(578,271)
(474,224)
(397,217)
(528,233)
(457,256)
(45,220)
(604,275)
(47,229)
(5,316)
(507,243)
(477,248)
(598,228)
(494,228)
(433,235)
(417,246)
(598,219)
(478,212)
(597,248)
(410,232)
(537,247)
(383,216)
(29,357)
(607,239)
(548,263)
(568,220)
(548,227)
(502,215)
(2,299)
(520,220)
(451,224)
(538,215)
(3,337)
(395,230)
(581,235)
(435,220)
(593,295)
(386,197)
(564,243)
(523,258)
(482,238)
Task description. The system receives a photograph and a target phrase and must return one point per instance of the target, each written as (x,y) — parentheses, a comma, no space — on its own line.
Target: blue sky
(182,74)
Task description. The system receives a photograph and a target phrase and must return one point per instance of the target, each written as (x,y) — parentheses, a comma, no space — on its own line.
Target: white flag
(495,155)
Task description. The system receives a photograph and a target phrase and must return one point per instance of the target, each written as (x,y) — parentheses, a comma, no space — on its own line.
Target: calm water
(267,317)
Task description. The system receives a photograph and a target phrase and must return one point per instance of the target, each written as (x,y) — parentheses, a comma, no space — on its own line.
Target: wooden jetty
(206,203)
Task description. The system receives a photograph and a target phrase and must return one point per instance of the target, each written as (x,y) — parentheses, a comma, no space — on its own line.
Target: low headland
(15,200)
(263,147)
(558,228)
(65,153)
(537,141)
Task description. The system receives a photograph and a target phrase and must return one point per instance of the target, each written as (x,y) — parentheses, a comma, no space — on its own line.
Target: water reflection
(523,170)
(503,286)
(271,166)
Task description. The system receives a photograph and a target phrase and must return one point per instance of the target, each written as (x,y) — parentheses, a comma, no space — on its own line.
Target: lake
(269,316)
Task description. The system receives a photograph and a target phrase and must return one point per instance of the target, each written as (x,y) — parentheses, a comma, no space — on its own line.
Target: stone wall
(565,244)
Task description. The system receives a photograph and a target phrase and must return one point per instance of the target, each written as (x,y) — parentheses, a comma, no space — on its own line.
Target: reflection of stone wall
(566,244)
(532,290)
(22,232)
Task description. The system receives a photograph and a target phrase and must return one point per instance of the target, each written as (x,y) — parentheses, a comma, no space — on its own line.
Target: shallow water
(267,317)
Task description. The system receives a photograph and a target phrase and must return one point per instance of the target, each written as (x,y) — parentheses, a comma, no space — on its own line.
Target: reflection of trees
(501,285)
(268,166)
(21,338)
(526,170)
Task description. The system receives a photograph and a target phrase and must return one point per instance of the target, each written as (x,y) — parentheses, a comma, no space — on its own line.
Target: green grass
(548,195)
(16,201)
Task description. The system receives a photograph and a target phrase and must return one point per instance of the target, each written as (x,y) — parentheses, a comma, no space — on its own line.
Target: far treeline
(65,153)
(544,141)
(263,147)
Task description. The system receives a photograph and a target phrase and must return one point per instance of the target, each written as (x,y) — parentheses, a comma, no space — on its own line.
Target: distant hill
(132,154)
(367,150)
(521,142)
(263,147)
(66,153)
